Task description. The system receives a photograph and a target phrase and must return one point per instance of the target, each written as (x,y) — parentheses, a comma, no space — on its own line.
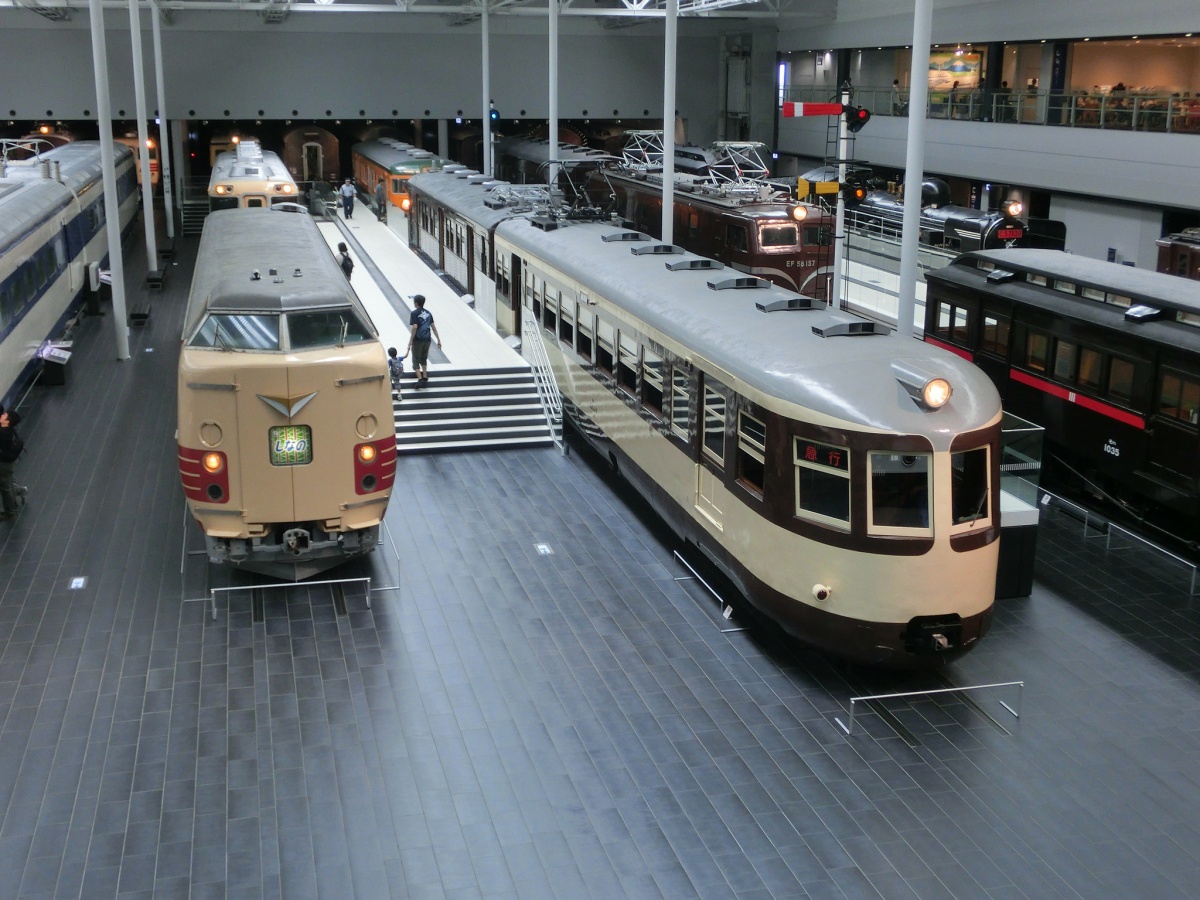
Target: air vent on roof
(420,154)
(686,265)
(495,202)
(478,179)
(466,173)
(545,223)
(1142,313)
(838,329)
(624,236)
(738,283)
(786,304)
(656,250)
(453,167)
(1000,276)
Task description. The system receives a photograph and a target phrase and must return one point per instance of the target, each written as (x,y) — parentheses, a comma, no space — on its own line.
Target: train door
(1175,447)
(312,161)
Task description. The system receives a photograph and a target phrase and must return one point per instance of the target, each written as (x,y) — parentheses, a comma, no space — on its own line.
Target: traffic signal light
(856,118)
(854,193)
(494,114)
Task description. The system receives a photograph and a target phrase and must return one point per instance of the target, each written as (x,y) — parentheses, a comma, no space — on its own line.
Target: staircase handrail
(543,378)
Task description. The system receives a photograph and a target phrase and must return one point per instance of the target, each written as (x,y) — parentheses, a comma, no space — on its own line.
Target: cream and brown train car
(845,480)
(250,177)
(287,445)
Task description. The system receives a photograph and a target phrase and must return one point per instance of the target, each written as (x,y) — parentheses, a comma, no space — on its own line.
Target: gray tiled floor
(508,723)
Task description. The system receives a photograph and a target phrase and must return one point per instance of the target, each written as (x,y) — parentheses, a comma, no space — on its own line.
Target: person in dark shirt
(422,332)
(10,449)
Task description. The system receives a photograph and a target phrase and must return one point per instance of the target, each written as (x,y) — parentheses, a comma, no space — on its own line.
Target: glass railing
(1162,113)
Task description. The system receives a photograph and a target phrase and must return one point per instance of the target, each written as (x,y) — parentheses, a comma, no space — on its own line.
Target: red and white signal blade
(791,110)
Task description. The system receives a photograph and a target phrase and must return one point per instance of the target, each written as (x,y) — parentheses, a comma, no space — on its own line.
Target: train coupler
(297,540)
(931,635)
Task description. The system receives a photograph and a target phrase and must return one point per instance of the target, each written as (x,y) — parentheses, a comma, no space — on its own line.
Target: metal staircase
(471,409)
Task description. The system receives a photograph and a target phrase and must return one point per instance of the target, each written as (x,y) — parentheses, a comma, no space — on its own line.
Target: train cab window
(605,347)
(735,237)
(325,328)
(225,331)
(566,322)
(995,333)
(583,335)
(822,482)
(1037,351)
(681,395)
(1120,379)
(652,383)
(627,362)
(714,420)
(816,237)
(899,491)
(751,453)
(1065,353)
(779,235)
(1179,397)
(969,484)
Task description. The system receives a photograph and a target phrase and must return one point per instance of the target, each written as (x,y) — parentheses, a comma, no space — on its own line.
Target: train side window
(995,333)
(1120,379)
(1179,397)
(714,421)
(566,322)
(398,186)
(969,487)
(735,237)
(960,335)
(1035,279)
(1037,351)
(1119,300)
(1065,353)
(652,383)
(693,225)
(605,348)
(945,315)
(751,453)
(815,236)
(899,491)
(822,482)
(1092,293)
(1067,287)
(583,336)
(550,310)
(681,395)
(627,362)
(1091,368)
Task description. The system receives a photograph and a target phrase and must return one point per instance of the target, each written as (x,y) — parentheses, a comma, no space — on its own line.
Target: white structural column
(164,144)
(914,165)
(552,173)
(139,99)
(668,139)
(487,95)
(112,206)
(839,228)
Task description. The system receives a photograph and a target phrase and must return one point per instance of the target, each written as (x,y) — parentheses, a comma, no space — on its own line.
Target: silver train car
(844,480)
(52,227)
(250,177)
(286,439)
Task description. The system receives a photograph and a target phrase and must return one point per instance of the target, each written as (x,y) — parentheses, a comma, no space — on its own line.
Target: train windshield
(779,235)
(326,328)
(900,490)
(969,478)
(229,331)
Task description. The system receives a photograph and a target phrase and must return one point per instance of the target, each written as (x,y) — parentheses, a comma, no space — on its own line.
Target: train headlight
(285,188)
(406,204)
(799,213)
(928,389)
(1013,208)
(213,462)
(224,188)
(367,453)
(936,393)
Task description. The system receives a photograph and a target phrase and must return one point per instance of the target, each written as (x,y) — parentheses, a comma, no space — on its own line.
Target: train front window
(969,483)
(325,328)
(899,489)
(779,235)
(226,331)
(822,482)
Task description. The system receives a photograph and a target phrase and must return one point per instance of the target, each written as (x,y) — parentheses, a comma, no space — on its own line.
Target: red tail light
(204,474)
(375,465)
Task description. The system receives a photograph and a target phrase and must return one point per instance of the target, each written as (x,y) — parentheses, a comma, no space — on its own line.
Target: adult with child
(422,331)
